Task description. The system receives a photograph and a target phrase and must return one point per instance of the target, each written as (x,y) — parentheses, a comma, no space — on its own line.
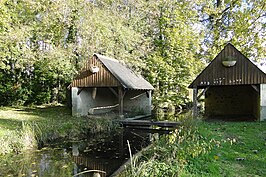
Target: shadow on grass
(232,118)
(47,112)
(12,117)
(10,124)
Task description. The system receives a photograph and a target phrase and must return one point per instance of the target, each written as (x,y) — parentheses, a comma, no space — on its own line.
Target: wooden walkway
(148,123)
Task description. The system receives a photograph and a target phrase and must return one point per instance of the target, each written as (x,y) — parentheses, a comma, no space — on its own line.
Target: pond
(104,152)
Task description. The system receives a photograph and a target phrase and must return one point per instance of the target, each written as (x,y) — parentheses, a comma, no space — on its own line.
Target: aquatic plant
(46,162)
(28,136)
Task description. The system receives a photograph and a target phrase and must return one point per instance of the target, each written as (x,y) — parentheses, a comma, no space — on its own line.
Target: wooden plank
(138,117)
(150,129)
(166,123)
(103,78)
(147,123)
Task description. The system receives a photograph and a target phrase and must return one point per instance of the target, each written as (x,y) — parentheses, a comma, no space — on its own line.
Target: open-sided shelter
(105,84)
(234,87)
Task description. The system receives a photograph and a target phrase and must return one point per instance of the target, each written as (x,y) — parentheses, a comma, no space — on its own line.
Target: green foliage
(239,22)
(174,61)
(33,68)
(43,44)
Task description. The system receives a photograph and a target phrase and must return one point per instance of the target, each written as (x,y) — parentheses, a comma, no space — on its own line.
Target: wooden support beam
(203,92)
(150,99)
(79,90)
(195,103)
(113,91)
(255,88)
(94,92)
(121,94)
(137,96)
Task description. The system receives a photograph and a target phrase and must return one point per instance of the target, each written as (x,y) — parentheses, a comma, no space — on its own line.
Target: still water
(104,152)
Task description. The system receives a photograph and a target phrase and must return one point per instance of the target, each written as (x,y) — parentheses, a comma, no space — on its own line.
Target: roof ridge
(105,57)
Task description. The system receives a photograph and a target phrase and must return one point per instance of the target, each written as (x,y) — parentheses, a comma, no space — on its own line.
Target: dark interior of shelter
(235,103)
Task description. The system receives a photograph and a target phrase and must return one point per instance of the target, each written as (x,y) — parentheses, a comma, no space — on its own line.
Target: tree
(30,31)
(239,22)
(175,58)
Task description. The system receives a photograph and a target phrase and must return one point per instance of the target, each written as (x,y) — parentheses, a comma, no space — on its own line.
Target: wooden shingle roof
(111,73)
(244,72)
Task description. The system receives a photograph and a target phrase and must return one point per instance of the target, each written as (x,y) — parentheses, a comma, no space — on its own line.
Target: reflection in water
(48,162)
(75,150)
(109,153)
(102,153)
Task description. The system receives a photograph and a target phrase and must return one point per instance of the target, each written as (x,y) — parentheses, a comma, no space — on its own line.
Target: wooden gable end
(102,78)
(242,73)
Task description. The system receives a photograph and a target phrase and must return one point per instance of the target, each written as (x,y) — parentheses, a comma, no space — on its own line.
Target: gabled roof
(112,73)
(124,75)
(244,72)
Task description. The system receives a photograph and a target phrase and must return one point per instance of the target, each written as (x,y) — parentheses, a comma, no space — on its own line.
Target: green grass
(22,128)
(240,150)
(204,148)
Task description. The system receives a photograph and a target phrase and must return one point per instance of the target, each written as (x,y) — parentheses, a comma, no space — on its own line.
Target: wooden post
(195,103)
(149,93)
(94,92)
(203,92)
(121,100)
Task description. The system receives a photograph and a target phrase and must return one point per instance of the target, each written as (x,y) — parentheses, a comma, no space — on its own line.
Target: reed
(170,154)
(18,140)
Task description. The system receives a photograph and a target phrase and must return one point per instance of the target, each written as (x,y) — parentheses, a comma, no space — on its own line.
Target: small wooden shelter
(233,86)
(105,84)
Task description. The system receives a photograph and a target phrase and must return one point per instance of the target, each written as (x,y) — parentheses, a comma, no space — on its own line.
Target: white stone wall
(83,103)
(137,101)
(75,101)
(80,102)
(262,102)
(105,101)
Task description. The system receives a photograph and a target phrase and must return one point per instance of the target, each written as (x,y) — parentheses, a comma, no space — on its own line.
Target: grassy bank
(206,149)
(240,150)
(22,128)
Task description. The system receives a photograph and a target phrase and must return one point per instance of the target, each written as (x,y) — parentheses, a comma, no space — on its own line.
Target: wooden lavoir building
(105,84)
(233,86)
